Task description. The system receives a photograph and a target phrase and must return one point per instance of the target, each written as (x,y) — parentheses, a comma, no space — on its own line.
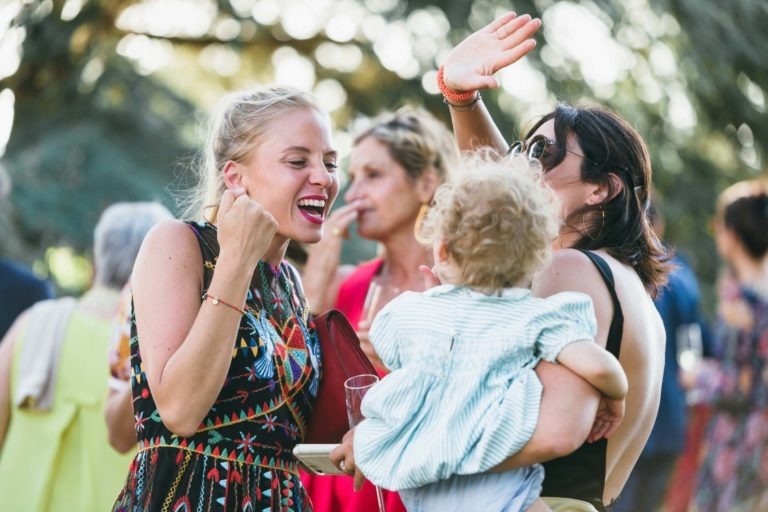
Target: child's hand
(607,420)
(430,277)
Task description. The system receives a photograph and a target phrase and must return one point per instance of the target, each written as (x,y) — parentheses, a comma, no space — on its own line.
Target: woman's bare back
(642,357)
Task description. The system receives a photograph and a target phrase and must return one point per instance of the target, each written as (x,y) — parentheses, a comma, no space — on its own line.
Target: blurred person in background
(19,287)
(688,336)
(54,453)
(395,167)
(734,470)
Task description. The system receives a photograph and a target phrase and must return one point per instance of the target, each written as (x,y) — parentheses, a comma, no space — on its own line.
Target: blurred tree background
(100,100)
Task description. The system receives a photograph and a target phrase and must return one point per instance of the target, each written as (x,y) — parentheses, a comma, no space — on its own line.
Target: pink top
(335,493)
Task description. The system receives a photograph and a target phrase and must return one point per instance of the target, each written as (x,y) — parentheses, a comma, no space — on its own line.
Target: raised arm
(186,345)
(471,65)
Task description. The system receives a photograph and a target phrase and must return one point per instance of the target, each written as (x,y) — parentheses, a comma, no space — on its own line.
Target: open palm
(473,62)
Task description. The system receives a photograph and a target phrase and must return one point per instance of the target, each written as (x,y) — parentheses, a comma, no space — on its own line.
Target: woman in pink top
(395,167)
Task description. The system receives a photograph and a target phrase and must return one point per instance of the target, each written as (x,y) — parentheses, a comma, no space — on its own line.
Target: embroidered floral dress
(240,458)
(735,466)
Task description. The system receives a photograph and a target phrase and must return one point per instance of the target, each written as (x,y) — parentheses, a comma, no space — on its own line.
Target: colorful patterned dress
(735,466)
(240,458)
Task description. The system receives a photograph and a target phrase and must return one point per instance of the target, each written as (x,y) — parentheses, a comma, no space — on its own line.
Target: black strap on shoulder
(613,344)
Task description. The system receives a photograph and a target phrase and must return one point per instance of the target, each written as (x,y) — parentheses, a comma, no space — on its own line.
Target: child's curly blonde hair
(497,220)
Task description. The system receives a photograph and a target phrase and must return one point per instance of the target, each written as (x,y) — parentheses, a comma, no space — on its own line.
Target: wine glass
(689,353)
(355,389)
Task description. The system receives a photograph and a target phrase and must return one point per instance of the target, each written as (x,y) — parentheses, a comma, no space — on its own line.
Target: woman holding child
(599,168)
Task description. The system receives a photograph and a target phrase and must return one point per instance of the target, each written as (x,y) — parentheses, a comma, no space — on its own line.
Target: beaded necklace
(277,293)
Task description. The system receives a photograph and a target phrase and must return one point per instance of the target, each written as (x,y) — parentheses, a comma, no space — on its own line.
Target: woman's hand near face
(245,229)
(320,277)
(186,345)
(473,62)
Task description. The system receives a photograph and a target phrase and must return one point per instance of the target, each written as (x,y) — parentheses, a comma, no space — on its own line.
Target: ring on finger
(342,466)
(337,231)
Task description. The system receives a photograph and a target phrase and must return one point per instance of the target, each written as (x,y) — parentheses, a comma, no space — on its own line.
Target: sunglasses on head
(542,149)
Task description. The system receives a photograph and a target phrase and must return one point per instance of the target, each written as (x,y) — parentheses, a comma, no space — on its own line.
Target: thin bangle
(216,301)
(466,107)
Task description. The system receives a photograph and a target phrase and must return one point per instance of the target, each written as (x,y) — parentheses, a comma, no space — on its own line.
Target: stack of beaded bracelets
(452,98)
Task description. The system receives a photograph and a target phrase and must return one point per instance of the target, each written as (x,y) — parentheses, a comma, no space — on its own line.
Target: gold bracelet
(216,301)
(467,106)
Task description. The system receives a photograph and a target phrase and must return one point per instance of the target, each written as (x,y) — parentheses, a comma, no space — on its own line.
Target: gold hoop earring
(602,225)
(419,220)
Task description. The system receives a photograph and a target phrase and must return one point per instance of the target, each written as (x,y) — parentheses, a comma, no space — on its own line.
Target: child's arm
(597,366)
(603,371)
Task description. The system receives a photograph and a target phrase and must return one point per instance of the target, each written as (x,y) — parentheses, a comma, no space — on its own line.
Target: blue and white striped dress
(462,395)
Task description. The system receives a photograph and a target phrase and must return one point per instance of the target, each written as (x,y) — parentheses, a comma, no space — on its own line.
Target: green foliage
(94,126)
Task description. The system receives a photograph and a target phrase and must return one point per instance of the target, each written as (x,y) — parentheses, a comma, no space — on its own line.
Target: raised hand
(339,221)
(245,228)
(473,62)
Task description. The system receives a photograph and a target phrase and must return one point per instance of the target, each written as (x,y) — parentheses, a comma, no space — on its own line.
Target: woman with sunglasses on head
(599,167)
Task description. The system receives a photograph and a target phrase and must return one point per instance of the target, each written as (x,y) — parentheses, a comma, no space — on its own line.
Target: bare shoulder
(170,233)
(570,270)
(169,239)
(169,249)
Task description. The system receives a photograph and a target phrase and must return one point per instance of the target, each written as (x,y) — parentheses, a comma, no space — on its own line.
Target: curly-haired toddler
(462,395)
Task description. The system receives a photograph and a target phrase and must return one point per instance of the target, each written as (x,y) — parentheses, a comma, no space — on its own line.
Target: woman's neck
(276,251)
(402,258)
(750,271)
(566,239)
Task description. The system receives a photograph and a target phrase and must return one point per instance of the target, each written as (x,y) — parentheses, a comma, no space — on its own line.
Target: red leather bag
(341,358)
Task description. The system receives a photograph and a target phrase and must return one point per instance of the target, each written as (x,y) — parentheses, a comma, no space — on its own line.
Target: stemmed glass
(355,389)
(689,354)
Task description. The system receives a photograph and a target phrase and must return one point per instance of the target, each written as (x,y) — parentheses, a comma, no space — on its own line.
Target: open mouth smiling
(313,209)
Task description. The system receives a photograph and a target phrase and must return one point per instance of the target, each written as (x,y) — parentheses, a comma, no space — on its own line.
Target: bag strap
(340,332)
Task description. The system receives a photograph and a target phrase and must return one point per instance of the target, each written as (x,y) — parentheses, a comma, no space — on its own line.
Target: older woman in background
(395,167)
(54,453)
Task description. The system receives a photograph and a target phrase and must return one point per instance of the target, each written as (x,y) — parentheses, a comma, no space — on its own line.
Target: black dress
(241,457)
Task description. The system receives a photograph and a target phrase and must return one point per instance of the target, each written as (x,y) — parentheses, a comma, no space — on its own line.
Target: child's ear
(233,176)
(443,256)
